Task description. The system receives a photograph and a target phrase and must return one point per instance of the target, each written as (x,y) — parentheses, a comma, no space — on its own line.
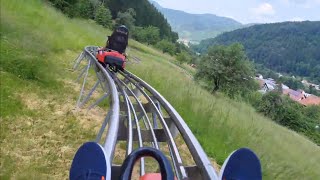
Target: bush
(103,16)
(149,35)
(166,47)
(184,57)
(291,114)
(66,6)
(126,18)
(84,9)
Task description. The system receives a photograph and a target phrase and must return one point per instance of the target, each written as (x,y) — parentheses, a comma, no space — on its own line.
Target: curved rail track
(139,116)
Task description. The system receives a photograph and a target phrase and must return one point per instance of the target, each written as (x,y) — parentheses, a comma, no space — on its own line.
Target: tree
(312,90)
(291,82)
(183,57)
(66,6)
(291,114)
(150,34)
(103,16)
(126,18)
(146,15)
(313,112)
(166,46)
(84,9)
(270,105)
(287,47)
(228,69)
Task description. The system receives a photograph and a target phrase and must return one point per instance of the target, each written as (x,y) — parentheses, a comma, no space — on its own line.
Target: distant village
(269,84)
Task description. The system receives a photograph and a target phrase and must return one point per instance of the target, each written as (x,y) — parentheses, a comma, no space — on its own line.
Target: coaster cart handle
(165,166)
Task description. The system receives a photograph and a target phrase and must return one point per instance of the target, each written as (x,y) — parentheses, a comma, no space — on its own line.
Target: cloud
(297,19)
(264,9)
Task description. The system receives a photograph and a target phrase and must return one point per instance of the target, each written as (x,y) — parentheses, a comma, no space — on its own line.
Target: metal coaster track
(139,116)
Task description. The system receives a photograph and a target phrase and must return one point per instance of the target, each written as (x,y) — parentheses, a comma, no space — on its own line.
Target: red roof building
(311,100)
(301,97)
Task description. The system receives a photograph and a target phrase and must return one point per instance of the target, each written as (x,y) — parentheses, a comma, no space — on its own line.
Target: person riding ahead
(118,41)
(113,54)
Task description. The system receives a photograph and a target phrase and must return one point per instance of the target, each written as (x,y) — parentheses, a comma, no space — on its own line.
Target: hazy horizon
(251,11)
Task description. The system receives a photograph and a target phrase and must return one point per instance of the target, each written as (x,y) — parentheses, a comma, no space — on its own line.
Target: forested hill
(146,15)
(139,13)
(288,47)
(197,26)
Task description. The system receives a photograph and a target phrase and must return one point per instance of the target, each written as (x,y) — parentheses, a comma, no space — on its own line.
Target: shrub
(166,46)
(103,16)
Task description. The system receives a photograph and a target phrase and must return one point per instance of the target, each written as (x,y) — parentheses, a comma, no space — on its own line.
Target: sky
(251,11)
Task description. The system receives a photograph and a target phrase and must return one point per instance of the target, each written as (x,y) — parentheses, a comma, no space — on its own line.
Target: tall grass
(222,125)
(38,142)
(40,132)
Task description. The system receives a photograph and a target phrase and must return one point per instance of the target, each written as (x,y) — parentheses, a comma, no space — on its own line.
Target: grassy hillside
(41,130)
(222,125)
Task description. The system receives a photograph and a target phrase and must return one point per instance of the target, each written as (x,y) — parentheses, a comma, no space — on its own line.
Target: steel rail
(113,124)
(142,169)
(177,161)
(129,121)
(130,88)
(206,169)
(145,115)
(130,108)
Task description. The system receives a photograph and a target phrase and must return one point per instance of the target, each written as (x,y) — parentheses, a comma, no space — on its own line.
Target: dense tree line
(289,47)
(146,15)
(143,20)
(87,9)
(132,13)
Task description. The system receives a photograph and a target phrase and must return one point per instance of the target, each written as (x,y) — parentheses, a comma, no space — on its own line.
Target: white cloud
(297,19)
(228,16)
(264,9)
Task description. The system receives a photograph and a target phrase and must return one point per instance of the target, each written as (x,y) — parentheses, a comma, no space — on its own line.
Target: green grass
(222,125)
(40,130)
